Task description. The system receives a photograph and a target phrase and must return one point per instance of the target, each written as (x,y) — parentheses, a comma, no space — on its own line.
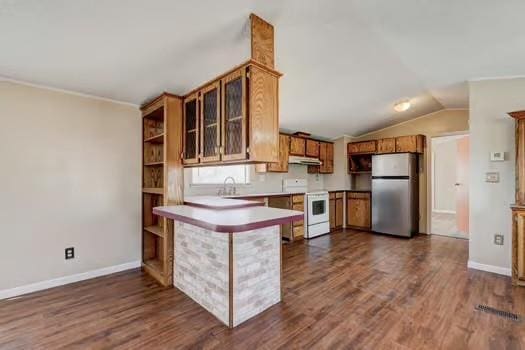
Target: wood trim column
(518,223)
(169,246)
(281,245)
(230,280)
(262,41)
(520,156)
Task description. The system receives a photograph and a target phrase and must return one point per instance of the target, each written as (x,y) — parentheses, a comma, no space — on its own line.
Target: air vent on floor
(500,313)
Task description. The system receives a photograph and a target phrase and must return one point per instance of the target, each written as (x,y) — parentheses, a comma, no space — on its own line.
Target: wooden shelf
(153,163)
(153,190)
(155,264)
(234,119)
(156,230)
(155,139)
(154,268)
(361,172)
(155,114)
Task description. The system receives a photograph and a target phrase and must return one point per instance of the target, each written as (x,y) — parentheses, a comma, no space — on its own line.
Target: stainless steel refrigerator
(395,197)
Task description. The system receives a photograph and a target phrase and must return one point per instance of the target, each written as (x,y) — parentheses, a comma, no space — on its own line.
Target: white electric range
(316,216)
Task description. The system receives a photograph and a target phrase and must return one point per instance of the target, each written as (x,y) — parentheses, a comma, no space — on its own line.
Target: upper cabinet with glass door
(210,123)
(234,117)
(191,129)
(239,118)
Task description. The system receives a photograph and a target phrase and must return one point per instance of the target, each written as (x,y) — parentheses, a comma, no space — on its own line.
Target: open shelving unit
(360,164)
(162,182)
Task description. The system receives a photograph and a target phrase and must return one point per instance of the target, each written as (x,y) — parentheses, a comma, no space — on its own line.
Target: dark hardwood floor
(349,290)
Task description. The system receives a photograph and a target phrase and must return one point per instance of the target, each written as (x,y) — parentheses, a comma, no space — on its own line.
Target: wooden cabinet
(412,144)
(360,153)
(210,117)
(237,119)
(359,163)
(401,144)
(326,156)
(362,147)
(339,209)
(291,231)
(191,129)
(336,210)
(297,146)
(358,210)
(518,209)
(386,145)
(331,211)
(234,116)
(324,151)
(518,246)
(282,165)
(312,148)
(298,226)
(162,177)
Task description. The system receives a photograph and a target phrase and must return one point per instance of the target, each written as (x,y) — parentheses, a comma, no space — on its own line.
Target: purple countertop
(229,220)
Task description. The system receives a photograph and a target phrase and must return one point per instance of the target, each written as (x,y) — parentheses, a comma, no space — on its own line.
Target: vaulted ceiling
(345,62)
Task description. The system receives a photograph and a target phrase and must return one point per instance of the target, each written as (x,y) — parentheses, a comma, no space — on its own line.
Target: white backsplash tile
(260,183)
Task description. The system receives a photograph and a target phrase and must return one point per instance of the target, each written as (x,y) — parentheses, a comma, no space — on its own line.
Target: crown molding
(69,92)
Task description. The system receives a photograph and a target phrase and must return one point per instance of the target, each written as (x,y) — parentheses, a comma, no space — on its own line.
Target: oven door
(317,209)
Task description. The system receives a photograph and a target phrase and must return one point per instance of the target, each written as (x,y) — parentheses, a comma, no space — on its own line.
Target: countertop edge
(227,207)
(261,195)
(229,228)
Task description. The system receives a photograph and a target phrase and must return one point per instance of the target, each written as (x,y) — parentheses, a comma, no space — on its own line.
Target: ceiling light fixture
(402,106)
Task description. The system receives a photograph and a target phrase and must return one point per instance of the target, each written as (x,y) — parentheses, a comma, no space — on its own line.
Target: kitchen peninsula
(227,254)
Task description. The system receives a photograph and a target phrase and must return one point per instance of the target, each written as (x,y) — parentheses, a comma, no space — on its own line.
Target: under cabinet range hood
(303,160)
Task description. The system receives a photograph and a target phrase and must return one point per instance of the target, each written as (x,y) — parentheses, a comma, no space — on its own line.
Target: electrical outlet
(498,239)
(70,253)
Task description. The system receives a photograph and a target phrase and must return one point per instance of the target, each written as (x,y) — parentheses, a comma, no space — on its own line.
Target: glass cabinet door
(234,116)
(210,118)
(191,130)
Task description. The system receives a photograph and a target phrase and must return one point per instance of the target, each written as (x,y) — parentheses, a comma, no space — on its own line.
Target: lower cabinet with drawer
(358,210)
(336,210)
(295,230)
(298,226)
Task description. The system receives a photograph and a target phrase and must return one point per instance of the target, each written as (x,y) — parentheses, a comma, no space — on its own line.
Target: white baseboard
(34,287)
(490,268)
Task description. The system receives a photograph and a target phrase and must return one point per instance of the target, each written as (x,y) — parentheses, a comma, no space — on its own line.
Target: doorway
(450,186)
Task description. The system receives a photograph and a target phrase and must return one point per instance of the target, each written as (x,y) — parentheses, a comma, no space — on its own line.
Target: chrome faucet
(232,191)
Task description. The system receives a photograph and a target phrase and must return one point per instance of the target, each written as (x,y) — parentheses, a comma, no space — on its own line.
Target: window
(215,175)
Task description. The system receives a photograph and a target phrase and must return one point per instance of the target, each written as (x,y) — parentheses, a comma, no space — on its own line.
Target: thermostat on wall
(492,177)
(497,156)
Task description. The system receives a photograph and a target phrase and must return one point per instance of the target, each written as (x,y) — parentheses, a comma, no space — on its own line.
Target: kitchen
(261,175)
(231,121)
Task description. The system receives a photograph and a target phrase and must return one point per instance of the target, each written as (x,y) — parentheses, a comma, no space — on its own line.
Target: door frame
(430,169)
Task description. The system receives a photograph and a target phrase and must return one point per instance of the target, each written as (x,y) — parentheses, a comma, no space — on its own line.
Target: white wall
(491,129)
(70,177)
(444,157)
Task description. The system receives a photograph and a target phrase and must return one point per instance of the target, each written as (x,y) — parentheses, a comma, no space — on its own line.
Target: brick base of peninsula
(229,260)
(217,269)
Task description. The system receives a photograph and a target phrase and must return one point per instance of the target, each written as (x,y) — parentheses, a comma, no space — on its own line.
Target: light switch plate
(498,239)
(492,177)
(497,156)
